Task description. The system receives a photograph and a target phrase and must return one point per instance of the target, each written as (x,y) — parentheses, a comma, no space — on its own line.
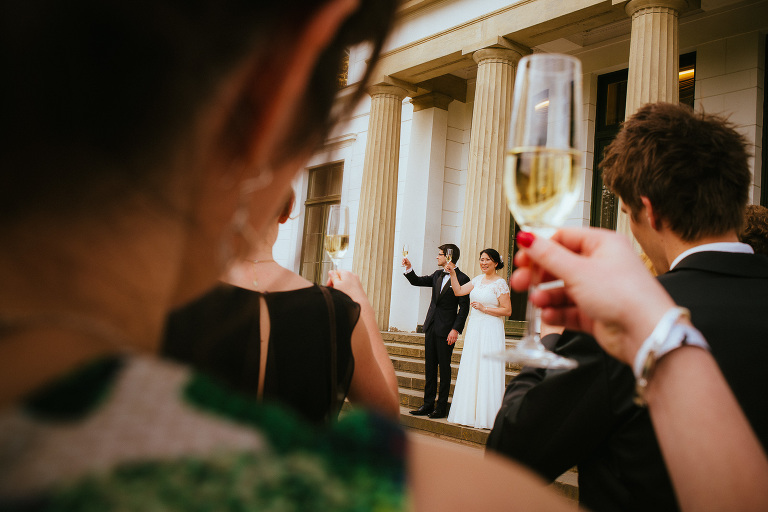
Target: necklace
(256,262)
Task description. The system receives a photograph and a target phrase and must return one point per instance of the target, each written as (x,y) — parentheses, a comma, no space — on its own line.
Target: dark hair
(495,256)
(98,94)
(693,167)
(755,229)
(455,249)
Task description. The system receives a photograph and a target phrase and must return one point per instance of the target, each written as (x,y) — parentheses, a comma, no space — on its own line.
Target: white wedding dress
(480,383)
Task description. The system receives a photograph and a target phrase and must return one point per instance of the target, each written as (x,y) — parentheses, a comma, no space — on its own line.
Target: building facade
(420,160)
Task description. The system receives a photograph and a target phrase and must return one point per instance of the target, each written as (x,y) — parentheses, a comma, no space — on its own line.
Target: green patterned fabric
(99,440)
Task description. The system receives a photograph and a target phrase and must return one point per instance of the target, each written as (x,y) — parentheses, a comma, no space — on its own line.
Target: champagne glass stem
(531,339)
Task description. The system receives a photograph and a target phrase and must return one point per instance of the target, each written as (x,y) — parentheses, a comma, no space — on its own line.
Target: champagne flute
(337,233)
(448,255)
(405,251)
(543,176)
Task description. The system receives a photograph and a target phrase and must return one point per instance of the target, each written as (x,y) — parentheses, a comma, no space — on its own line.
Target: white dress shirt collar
(718,247)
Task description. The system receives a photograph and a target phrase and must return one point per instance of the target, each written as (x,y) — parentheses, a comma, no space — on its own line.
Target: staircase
(406,350)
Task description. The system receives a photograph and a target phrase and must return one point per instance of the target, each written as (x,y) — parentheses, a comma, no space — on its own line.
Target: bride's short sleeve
(500,287)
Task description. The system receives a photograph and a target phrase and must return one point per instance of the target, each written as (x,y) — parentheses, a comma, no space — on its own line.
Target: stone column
(485,221)
(375,235)
(653,61)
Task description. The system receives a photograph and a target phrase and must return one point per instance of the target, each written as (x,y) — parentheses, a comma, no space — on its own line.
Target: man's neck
(674,246)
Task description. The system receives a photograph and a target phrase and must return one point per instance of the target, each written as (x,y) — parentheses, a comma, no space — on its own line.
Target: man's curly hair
(755,229)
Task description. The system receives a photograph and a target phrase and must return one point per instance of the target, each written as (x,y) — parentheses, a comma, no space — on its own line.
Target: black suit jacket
(553,420)
(446,311)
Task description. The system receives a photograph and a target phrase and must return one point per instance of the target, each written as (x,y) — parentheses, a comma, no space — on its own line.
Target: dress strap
(335,407)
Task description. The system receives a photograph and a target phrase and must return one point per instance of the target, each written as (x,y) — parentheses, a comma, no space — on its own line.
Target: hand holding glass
(337,233)
(543,176)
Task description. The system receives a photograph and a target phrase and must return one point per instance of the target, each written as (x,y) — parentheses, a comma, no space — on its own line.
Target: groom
(445,320)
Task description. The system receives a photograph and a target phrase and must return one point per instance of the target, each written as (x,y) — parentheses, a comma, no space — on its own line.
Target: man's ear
(653,220)
(290,75)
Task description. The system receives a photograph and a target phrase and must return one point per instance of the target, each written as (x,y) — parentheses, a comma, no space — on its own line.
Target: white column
(486,219)
(375,235)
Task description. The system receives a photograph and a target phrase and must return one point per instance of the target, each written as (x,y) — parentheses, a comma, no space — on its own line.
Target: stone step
(415,351)
(414,365)
(512,329)
(416,381)
(403,338)
(413,398)
(412,359)
(412,338)
(441,427)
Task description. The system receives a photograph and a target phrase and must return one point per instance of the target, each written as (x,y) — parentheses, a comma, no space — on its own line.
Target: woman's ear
(291,75)
(287,209)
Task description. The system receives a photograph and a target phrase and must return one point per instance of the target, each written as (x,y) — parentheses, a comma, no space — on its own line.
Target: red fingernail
(525,238)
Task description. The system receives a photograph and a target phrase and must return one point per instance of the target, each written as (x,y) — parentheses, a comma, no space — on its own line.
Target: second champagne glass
(543,176)
(448,255)
(337,233)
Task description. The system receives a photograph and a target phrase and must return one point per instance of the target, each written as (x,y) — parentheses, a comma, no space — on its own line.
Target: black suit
(553,420)
(446,312)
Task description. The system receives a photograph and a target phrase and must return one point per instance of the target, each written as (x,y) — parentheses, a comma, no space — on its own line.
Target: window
(324,189)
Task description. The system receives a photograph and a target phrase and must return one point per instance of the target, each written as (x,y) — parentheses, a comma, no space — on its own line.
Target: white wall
(730,81)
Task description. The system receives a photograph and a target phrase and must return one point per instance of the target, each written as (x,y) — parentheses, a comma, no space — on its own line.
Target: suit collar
(727,263)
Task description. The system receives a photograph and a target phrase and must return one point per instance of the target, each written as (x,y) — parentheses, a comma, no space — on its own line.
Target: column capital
(387,90)
(635,5)
(431,100)
(498,54)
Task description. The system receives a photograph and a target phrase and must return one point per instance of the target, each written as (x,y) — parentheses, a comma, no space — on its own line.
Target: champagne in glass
(337,233)
(405,250)
(448,255)
(542,186)
(543,175)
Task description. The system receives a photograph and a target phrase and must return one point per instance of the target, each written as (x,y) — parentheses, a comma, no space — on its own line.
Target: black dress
(219,334)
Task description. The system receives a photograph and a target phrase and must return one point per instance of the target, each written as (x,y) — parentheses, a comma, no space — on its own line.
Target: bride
(480,382)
